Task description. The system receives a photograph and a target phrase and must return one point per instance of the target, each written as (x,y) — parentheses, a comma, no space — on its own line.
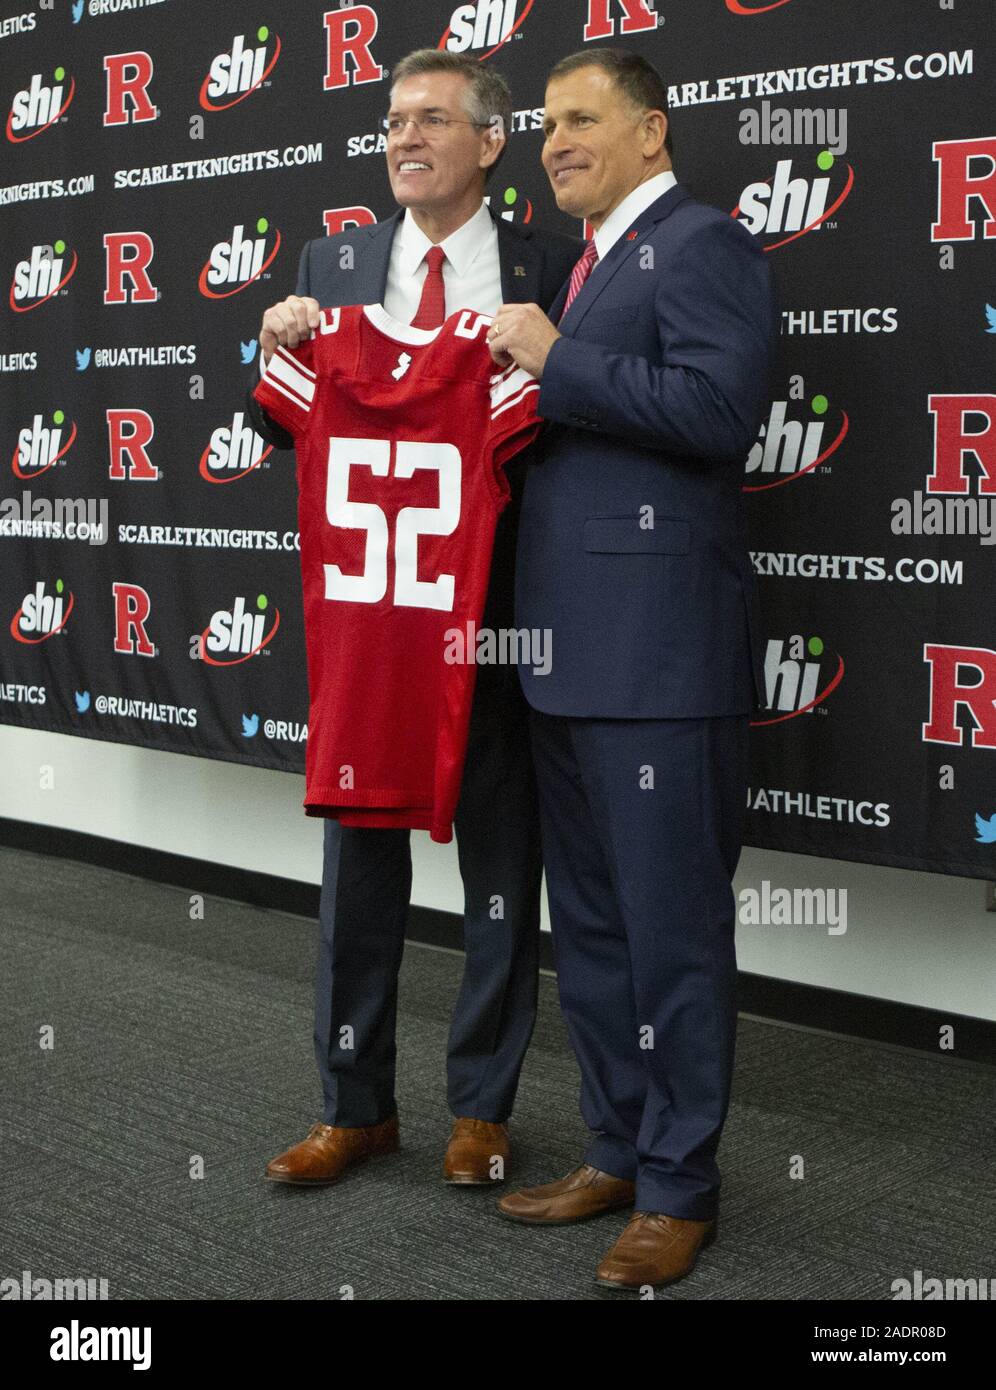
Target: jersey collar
(394,328)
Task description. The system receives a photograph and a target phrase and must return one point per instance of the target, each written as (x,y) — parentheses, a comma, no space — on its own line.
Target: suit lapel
(377,257)
(557,307)
(519,259)
(622,248)
(520,263)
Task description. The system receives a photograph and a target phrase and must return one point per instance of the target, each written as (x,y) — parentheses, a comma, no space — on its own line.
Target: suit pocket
(623,535)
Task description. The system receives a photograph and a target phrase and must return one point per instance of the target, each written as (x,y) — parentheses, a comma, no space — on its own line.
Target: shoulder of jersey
(336,319)
(462,343)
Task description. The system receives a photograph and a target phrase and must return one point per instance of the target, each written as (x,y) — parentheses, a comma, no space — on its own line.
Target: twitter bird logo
(82,701)
(77,11)
(248,351)
(986,829)
(250,725)
(991,316)
(82,359)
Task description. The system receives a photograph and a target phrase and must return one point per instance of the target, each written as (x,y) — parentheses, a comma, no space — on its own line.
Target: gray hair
(487,99)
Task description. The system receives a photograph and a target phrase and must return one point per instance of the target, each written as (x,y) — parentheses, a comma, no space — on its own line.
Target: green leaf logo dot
(58,417)
(825,160)
(820,405)
(262,225)
(815,645)
(510,195)
(58,586)
(261,602)
(60,74)
(262,33)
(60,246)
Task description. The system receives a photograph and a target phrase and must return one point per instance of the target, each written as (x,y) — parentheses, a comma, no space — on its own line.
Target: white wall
(915,937)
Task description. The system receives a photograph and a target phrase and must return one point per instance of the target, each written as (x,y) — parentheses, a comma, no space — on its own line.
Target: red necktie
(580,274)
(432,305)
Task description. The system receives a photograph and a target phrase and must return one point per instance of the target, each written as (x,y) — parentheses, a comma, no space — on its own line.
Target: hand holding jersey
(288,323)
(401,437)
(523,334)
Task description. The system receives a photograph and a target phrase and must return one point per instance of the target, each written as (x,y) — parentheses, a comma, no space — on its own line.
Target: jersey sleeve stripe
(531,385)
(284,356)
(285,375)
(509,385)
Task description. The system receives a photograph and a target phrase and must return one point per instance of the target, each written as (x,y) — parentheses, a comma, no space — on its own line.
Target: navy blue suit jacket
(632,545)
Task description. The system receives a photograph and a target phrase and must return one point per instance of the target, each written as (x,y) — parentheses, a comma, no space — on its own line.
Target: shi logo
(404,362)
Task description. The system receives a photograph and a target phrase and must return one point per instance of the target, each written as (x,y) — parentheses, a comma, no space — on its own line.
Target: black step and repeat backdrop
(163,164)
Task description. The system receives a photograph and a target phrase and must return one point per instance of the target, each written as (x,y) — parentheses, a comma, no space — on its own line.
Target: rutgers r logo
(483,24)
(128,76)
(132,606)
(349,34)
(966,185)
(129,433)
(953,443)
(127,257)
(797,205)
(600,23)
(961,677)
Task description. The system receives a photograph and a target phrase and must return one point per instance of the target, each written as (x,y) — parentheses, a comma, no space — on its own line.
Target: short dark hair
(488,100)
(639,82)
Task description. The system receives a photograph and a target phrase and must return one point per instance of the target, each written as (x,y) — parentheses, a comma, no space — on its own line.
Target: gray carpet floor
(176,1038)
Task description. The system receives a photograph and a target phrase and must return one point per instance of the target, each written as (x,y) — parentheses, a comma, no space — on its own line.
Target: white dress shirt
(629,210)
(471,270)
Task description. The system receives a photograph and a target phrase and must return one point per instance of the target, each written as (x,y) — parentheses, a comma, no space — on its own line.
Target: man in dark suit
(441,251)
(633,554)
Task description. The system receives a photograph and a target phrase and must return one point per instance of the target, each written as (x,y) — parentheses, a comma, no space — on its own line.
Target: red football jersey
(401,435)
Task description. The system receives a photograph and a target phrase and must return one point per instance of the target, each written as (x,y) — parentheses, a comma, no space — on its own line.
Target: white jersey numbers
(412,522)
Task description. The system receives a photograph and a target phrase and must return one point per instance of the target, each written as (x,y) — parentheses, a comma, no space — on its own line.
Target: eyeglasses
(432,125)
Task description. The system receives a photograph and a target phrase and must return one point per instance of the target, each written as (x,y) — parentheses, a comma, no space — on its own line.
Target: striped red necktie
(432,305)
(580,274)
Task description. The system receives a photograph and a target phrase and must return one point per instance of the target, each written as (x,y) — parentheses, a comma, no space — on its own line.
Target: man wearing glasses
(442,250)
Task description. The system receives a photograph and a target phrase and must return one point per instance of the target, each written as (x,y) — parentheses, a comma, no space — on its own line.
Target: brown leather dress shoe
(473,1147)
(585,1193)
(330,1149)
(654,1249)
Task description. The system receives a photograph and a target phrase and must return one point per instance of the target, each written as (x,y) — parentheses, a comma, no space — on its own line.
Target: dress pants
(642,825)
(366,884)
